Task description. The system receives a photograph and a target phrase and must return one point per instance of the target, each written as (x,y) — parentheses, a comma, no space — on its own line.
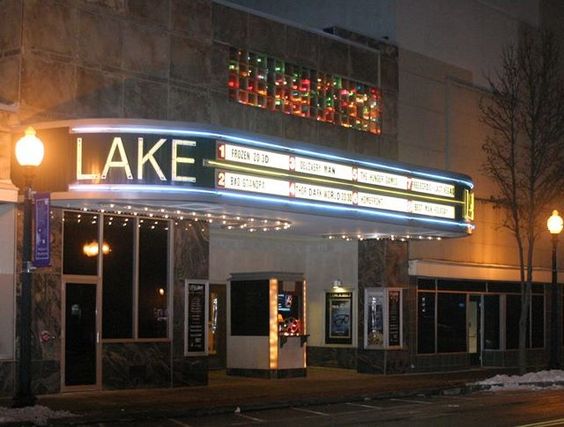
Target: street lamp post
(29,154)
(554,225)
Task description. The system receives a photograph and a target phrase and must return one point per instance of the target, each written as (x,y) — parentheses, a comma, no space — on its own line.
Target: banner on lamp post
(42,249)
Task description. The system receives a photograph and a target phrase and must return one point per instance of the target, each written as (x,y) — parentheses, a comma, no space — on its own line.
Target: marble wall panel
(189,105)
(193,18)
(302,47)
(100,40)
(230,26)
(144,99)
(333,56)
(332,357)
(45,85)
(135,365)
(191,261)
(191,250)
(46,312)
(98,93)
(146,50)
(47,27)
(267,36)
(7,378)
(190,371)
(10,77)
(190,61)
(152,11)
(46,376)
(10,30)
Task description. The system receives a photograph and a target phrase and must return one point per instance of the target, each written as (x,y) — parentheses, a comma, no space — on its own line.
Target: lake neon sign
(208,162)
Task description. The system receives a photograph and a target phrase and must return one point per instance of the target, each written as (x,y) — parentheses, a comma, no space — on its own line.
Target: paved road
(542,408)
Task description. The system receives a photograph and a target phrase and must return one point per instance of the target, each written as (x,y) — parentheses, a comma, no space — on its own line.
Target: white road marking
(180,423)
(364,406)
(420,402)
(548,423)
(258,420)
(309,411)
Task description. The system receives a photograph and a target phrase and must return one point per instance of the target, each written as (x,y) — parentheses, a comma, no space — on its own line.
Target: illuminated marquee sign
(236,167)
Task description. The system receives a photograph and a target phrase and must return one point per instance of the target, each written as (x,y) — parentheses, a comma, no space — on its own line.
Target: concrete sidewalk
(226,394)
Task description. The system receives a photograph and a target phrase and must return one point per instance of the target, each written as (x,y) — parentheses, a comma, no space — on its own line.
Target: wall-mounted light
(337,284)
(91,249)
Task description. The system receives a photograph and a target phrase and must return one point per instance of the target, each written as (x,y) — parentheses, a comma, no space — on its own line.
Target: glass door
(81,336)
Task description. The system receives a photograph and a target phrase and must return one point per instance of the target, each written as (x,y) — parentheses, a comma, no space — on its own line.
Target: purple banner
(42,252)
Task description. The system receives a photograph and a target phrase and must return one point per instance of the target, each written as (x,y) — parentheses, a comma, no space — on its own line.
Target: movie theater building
(224,193)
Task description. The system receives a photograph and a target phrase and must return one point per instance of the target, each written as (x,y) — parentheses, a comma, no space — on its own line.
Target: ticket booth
(266,325)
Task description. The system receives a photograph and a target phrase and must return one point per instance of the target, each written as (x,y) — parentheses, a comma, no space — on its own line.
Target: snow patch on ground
(38,415)
(553,379)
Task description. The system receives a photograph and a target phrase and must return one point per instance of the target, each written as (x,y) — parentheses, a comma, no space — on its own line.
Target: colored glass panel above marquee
(270,83)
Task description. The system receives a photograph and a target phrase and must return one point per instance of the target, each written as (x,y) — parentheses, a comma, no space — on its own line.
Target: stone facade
(136,59)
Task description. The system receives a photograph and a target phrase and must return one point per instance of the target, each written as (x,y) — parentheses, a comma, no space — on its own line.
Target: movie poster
(338,318)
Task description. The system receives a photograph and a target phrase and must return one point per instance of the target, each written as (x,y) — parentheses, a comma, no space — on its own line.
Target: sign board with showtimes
(248,169)
(196,318)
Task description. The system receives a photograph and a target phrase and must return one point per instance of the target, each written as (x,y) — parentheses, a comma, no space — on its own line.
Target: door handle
(97,337)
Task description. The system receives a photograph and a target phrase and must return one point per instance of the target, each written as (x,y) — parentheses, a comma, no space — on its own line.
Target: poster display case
(383,314)
(266,325)
(338,317)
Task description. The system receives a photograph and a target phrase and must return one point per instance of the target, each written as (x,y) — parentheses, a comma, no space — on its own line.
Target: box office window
(135,257)
(249,308)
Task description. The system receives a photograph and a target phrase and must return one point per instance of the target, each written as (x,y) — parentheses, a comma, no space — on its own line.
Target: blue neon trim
(343,209)
(138,187)
(170,189)
(219,135)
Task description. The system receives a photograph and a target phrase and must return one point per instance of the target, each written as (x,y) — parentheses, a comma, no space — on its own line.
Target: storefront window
(512,315)
(537,321)
(491,322)
(153,247)
(451,323)
(135,255)
(426,322)
(118,277)
(80,250)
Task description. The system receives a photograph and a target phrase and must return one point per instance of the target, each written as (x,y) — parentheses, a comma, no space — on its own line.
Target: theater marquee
(267,172)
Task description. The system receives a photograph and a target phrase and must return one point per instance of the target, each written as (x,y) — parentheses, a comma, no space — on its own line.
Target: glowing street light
(554,225)
(29,154)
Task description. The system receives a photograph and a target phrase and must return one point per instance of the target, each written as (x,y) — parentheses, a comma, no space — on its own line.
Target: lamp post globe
(29,149)
(555,225)
(29,154)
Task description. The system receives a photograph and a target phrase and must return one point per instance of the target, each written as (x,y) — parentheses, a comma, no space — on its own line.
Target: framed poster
(338,317)
(196,318)
(383,314)
(374,318)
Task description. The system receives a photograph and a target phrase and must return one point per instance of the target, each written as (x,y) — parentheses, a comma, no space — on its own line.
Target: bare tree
(525,148)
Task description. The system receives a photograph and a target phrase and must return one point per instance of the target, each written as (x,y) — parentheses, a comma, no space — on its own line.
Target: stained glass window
(273,84)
